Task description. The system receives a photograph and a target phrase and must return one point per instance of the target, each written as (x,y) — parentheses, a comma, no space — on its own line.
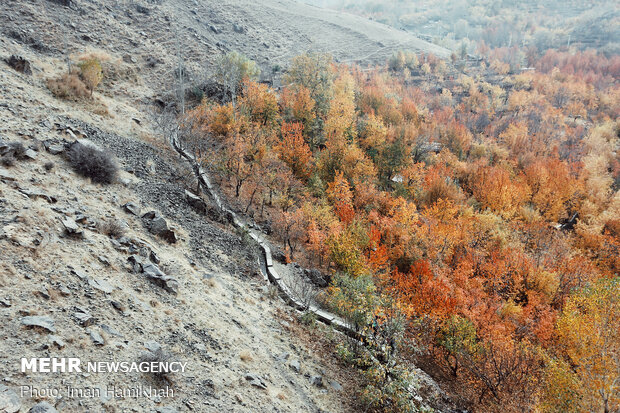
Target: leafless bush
(111,228)
(302,290)
(7,160)
(157,356)
(92,163)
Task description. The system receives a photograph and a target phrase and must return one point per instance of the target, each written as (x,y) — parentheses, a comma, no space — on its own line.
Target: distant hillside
(543,24)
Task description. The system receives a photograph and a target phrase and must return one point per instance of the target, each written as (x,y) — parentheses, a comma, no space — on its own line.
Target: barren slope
(153,33)
(224,322)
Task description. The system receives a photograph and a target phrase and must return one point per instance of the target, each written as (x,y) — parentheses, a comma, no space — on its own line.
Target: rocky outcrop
(44,322)
(157,225)
(154,274)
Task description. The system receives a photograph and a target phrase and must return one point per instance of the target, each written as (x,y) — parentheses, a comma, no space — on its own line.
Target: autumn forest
(468,218)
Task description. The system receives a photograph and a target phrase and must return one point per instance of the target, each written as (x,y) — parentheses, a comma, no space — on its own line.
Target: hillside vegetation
(454,204)
(464,216)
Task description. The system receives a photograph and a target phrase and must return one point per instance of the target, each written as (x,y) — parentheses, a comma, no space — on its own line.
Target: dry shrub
(68,86)
(158,356)
(12,152)
(99,108)
(92,163)
(7,160)
(111,228)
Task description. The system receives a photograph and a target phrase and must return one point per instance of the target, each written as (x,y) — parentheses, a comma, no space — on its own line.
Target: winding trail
(267,267)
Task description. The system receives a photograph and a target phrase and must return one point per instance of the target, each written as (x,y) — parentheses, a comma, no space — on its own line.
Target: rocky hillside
(151,35)
(84,275)
(130,270)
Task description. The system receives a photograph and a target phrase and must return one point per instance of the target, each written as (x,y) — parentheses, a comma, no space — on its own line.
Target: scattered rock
(154,257)
(127,58)
(36,195)
(256,381)
(167,282)
(44,292)
(57,341)
(143,10)
(117,306)
(44,322)
(96,337)
(64,290)
(111,331)
(30,154)
(43,407)
(71,227)
(238,28)
(282,357)
(103,260)
(152,62)
(78,274)
(196,202)
(335,385)
(294,364)
(71,134)
(101,285)
(6,175)
(152,346)
(317,381)
(154,273)
(5,302)
(132,208)
(55,149)
(214,29)
(9,401)
(84,317)
(66,3)
(166,409)
(20,64)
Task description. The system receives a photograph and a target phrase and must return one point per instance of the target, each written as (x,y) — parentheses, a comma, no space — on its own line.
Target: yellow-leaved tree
(589,332)
(91,73)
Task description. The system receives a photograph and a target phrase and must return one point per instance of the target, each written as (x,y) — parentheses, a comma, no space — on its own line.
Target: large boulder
(44,322)
(157,225)
(9,401)
(196,202)
(154,274)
